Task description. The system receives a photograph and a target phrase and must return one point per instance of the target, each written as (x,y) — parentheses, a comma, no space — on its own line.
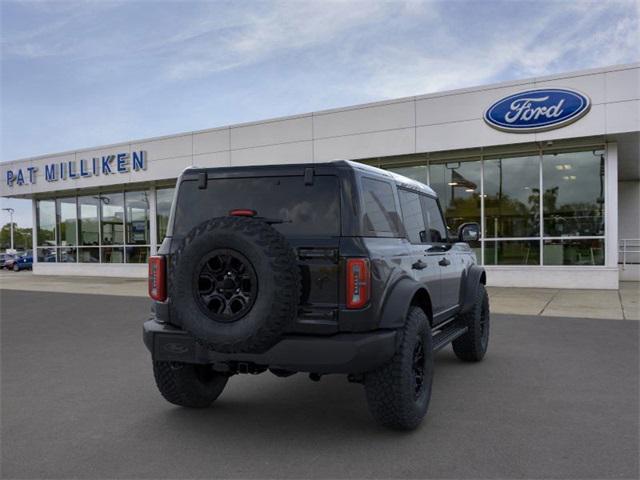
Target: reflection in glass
(46,255)
(112,255)
(137,254)
(574,252)
(137,217)
(46,218)
(573,198)
(67,255)
(67,212)
(112,218)
(164,196)
(458,187)
(88,220)
(89,255)
(512,197)
(512,252)
(412,216)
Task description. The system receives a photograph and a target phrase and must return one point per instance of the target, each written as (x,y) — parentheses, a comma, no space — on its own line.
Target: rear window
(307,210)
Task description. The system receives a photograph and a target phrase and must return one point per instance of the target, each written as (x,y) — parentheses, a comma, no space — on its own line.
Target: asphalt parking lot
(555,398)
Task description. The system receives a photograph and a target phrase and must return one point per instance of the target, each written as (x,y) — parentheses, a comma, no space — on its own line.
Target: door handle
(444,262)
(419,265)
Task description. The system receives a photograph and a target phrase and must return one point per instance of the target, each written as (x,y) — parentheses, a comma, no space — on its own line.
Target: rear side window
(306,210)
(380,214)
(412,217)
(437,232)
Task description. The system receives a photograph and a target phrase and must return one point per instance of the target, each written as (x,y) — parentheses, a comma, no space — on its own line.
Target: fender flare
(475,276)
(396,306)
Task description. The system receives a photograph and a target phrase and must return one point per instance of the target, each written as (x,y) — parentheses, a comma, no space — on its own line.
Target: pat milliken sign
(537,110)
(105,165)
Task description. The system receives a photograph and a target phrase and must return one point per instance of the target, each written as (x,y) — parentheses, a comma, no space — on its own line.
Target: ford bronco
(327,268)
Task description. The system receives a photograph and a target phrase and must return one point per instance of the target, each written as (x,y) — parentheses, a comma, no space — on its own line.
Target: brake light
(358,282)
(157,278)
(243,212)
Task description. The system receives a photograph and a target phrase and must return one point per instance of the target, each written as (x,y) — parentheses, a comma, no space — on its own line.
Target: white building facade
(550,167)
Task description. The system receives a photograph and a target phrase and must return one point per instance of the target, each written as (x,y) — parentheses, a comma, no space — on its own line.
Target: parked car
(331,268)
(23,262)
(7,263)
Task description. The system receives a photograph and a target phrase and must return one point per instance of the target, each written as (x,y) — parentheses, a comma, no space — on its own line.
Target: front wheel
(472,346)
(16,268)
(398,394)
(188,385)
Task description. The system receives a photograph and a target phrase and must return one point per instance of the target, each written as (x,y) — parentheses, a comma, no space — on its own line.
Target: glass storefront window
(46,255)
(137,254)
(512,197)
(89,255)
(416,172)
(88,226)
(46,218)
(112,218)
(67,255)
(164,197)
(574,252)
(67,221)
(458,187)
(137,218)
(112,255)
(573,198)
(512,252)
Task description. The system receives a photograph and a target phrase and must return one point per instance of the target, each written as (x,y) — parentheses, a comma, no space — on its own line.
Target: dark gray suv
(326,268)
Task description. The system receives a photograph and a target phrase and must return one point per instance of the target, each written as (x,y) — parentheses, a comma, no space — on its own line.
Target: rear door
(439,251)
(424,268)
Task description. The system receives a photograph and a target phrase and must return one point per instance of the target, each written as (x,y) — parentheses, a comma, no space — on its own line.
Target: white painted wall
(92,269)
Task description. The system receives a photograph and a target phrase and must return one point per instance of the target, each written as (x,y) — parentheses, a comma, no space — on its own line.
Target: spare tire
(235,284)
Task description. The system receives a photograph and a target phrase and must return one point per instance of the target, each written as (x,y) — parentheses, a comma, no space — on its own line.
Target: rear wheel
(472,346)
(188,385)
(398,394)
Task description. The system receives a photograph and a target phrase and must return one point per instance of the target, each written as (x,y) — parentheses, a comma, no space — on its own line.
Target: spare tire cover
(235,284)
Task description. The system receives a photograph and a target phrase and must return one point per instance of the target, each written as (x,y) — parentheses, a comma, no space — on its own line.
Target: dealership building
(549,166)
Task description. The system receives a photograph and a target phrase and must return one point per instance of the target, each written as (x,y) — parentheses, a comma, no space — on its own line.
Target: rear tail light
(157,278)
(358,282)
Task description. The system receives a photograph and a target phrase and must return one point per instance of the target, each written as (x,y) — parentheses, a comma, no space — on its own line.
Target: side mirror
(469,232)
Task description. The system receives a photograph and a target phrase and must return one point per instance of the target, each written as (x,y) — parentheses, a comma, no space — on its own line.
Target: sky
(87,73)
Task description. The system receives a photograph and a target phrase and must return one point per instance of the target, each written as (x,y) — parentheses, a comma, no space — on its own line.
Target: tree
(21,237)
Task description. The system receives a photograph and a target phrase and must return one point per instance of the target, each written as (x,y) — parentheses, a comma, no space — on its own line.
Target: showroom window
(563,226)
(67,223)
(101,228)
(46,230)
(137,226)
(164,197)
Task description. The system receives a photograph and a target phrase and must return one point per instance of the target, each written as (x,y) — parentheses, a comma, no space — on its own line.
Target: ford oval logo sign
(537,110)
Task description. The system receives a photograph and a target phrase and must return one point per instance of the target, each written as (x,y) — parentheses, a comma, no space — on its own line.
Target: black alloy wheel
(226,285)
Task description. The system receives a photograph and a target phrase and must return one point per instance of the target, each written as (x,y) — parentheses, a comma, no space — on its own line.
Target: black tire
(16,268)
(265,265)
(188,385)
(472,346)
(395,396)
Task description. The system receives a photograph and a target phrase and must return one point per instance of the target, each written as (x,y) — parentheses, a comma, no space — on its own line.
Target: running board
(447,335)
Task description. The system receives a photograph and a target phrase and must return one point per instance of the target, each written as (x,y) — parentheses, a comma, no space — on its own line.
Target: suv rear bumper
(340,353)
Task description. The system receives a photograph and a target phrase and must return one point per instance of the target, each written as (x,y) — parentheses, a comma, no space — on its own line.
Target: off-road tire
(188,385)
(472,346)
(277,274)
(391,391)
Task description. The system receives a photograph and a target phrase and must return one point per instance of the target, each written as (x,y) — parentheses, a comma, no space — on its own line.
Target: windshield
(305,210)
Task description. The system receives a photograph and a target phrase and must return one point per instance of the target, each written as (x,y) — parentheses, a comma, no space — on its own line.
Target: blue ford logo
(537,110)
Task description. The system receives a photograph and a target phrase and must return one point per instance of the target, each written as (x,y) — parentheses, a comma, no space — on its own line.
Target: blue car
(24,262)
